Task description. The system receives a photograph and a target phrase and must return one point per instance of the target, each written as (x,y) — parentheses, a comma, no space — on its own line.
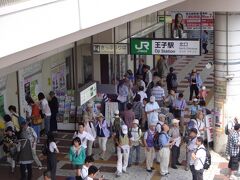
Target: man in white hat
(136,133)
(166,144)
(117,122)
(123,141)
(149,146)
(152,108)
(194,108)
(174,133)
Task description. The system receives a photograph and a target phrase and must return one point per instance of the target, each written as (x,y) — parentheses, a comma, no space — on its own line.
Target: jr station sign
(145,46)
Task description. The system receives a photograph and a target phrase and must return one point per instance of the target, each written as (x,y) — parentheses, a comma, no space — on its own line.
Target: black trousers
(52,164)
(204,46)
(196,174)
(53,122)
(23,168)
(195,89)
(175,154)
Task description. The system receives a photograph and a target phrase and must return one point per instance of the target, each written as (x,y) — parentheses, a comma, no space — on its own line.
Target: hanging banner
(110,108)
(59,77)
(109,48)
(165,47)
(193,20)
(209,125)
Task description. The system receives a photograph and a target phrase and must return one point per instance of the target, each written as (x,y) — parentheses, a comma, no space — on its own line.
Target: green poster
(2,112)
(33,89)
(141,46)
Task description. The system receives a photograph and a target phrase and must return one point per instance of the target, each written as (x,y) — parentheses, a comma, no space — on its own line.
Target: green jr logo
(144,45)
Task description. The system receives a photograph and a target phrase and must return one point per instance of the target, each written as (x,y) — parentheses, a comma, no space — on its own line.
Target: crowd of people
(147,117)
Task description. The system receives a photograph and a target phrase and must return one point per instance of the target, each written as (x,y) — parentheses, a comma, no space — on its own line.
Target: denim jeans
(47,123)
(133,148)
(37,130)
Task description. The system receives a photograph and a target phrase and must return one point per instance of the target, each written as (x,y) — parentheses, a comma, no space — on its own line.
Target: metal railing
(4,3)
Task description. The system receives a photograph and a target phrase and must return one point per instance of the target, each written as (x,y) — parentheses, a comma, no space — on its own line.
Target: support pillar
(227,74)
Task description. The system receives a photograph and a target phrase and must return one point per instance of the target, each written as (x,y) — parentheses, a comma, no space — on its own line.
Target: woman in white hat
(136,133)
(102,133)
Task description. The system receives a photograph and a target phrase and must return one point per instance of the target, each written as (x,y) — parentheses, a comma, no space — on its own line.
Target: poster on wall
(209,125)
(193,20)
(59,77)
(31,88)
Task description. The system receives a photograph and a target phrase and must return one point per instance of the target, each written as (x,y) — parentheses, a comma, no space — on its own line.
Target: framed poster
(59,77)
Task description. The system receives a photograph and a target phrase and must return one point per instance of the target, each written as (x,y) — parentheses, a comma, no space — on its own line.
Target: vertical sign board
(88,93)
(110,108)
(180,47)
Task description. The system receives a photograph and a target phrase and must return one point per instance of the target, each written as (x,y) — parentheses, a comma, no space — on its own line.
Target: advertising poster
(193,20)
(58,78)
(209,120)
(31,88)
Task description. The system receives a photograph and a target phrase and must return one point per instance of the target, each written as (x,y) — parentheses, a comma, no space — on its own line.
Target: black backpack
(208,160)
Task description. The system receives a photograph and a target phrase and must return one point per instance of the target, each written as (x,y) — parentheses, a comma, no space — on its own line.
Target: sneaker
(178,163)
(149,170)
(232,177)
(129,165)
(118,174)
(174,167)
(125,172)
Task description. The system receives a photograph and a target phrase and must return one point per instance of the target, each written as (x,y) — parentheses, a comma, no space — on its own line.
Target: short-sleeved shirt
(152,116)
(45,107)
(164,139)
(200,157)
(52,147)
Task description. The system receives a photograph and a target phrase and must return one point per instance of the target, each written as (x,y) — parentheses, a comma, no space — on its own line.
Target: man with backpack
(149,146)
(199,158)
(136,133)
(123,141)
(166,144)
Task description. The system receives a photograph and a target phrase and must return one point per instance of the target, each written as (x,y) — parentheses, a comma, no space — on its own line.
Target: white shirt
(45,107)
(89,178)
(84,172)
(201,157)
(52,146)
(152,116)
(85,136)
(143,95)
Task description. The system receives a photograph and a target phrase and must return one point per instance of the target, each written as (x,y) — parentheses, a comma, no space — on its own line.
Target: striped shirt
(158,93)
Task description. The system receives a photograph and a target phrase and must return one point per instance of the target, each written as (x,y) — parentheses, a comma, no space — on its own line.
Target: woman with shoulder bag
(35,116)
